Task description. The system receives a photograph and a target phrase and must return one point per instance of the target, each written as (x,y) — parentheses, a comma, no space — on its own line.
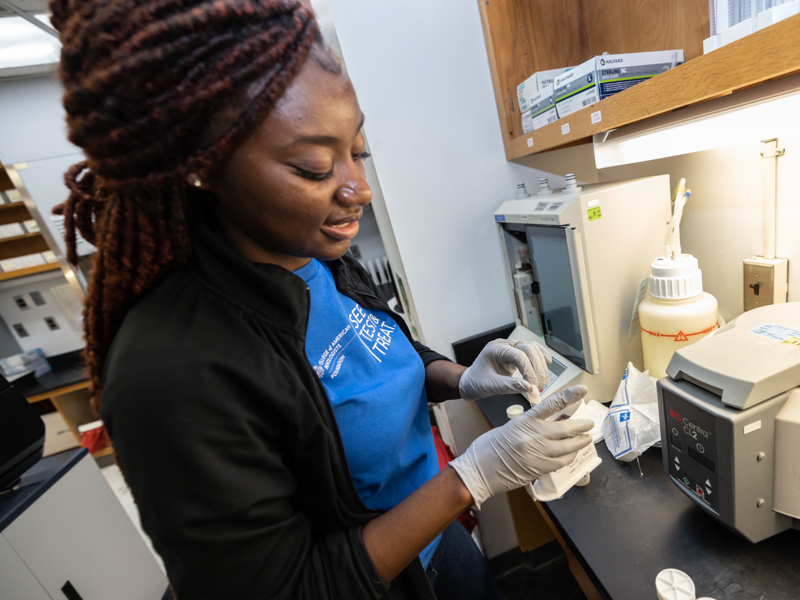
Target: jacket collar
(268,290)
(271,291)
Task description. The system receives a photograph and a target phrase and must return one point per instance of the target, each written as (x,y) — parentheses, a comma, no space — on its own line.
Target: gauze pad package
(631,426)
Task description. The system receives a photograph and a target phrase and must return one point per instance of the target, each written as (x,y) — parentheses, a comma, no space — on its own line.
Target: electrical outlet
(766,281)
(21,302)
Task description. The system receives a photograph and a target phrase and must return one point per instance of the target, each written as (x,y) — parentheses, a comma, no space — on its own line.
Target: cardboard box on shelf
(535,84)
(58,437)
(603,76)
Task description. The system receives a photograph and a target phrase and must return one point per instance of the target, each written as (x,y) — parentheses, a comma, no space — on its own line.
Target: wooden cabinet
(526,36)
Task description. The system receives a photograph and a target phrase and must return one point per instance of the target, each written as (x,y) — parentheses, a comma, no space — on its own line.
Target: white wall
(32,120)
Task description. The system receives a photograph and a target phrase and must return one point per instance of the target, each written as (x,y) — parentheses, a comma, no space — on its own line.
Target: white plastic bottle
(676,313)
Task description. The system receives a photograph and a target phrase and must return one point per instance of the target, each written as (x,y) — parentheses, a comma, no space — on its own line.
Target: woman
(267,408)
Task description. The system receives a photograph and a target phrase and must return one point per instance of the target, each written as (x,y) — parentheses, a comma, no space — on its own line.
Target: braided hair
(143,82)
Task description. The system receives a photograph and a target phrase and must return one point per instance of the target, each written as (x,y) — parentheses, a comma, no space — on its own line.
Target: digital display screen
(554,369)
(557,300)
(706,462)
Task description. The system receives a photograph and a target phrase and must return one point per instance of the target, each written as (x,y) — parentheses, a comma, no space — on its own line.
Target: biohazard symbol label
(681,337)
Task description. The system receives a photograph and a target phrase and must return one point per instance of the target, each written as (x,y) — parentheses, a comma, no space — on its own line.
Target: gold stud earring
(194,179)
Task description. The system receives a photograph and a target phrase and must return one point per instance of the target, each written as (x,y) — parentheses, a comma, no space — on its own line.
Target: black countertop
(68,369)
(625,527)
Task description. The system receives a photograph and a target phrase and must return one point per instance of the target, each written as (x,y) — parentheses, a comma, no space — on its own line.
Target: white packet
(631,426)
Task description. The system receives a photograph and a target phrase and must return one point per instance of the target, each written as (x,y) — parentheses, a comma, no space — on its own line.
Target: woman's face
(295,189)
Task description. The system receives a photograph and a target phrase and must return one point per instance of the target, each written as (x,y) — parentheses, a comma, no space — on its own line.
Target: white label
(592,203)
(530,142)
(565,129)
(775,332)
(752,427)
(596,117)
(640,294)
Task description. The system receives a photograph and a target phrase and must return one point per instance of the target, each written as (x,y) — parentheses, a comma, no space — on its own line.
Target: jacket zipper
(332,418)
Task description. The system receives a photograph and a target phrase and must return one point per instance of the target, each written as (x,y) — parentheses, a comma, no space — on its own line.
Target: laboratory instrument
(573,262)
(730,422)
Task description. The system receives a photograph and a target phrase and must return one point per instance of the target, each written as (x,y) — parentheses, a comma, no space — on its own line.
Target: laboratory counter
(624,527)
(68,373)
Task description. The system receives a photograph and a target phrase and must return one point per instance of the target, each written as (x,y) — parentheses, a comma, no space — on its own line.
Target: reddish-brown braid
(143,82)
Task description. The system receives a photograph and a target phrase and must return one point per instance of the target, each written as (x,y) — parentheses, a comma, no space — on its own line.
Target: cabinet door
(78,532)
(16,581)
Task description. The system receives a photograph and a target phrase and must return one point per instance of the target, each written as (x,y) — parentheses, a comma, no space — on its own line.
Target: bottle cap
(570,184)
(521,191)
(514,411)
(675,279)
(672,584)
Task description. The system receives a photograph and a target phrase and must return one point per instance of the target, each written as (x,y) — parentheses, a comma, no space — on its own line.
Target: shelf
(14,212)
(22,245)
(526,36)
(29,271)
(767,54)
(5,181)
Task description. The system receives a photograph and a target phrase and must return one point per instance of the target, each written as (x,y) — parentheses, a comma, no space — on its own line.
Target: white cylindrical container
(514,410)
(676,313)
(672,584)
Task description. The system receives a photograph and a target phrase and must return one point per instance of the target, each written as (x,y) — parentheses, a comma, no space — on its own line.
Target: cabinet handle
(70,592)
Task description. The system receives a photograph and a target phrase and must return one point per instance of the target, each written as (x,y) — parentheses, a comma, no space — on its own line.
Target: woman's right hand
(524,449)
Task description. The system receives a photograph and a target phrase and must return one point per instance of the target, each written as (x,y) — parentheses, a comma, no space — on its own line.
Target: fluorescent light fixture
(752,115)
(22,44)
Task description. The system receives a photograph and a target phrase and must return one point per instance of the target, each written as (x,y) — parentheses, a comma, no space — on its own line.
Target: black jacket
(228,441)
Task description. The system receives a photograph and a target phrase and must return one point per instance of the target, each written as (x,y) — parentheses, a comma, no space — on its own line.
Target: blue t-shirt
(375,381)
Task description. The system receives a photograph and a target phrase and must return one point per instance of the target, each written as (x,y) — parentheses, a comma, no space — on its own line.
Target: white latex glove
(490,374)
(524,449)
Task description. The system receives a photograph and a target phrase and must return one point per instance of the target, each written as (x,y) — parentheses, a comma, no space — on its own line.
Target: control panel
(692,449)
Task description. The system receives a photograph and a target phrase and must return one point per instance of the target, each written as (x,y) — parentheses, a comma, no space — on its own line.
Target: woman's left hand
(490,374)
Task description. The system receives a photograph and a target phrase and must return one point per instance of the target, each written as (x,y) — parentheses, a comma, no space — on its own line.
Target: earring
(194,179)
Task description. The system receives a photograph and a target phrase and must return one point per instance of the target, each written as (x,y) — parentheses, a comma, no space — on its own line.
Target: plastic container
(672,584)
(552,486)
(676,313)
(514,410)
